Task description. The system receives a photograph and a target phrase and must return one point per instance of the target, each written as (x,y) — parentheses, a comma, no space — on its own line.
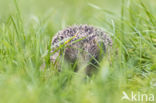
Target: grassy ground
(26,29)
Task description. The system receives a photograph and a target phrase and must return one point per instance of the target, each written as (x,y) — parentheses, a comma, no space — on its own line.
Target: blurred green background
(26,30)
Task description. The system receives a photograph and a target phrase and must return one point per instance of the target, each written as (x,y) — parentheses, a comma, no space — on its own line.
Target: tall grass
(25,37)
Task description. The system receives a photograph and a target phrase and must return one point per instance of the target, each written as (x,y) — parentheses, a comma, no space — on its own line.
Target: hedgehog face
(78,41)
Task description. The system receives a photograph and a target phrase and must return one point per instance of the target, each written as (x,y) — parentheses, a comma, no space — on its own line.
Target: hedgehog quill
(82,43)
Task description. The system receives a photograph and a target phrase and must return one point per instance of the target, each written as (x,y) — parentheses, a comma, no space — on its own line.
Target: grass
(26,30)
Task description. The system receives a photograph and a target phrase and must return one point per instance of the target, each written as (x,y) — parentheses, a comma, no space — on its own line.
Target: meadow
(26,31)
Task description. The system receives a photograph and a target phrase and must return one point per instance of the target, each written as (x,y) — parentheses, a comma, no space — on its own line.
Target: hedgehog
(83,43)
